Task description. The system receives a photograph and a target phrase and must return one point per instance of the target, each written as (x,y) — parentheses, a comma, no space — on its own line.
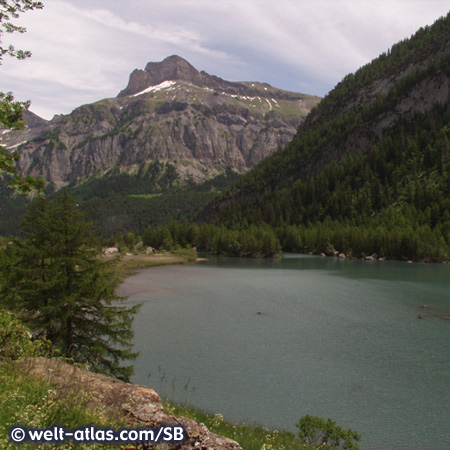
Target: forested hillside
(369,170)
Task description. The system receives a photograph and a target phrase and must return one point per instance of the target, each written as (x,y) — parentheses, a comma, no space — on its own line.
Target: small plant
(326,434)
(187,252)
(16,340)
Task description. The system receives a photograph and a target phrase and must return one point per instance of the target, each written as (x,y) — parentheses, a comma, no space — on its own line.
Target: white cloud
(175,35)
(84,50)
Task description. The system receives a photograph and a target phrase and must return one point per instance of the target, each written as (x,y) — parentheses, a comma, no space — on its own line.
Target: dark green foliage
(146,181)
(120,202)
(129,239)
(11,118)
(12,207)
(326,434)
(16,339)
(54,280)
(255,241)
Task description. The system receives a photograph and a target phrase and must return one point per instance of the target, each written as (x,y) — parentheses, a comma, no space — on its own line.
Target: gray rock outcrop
(115,399)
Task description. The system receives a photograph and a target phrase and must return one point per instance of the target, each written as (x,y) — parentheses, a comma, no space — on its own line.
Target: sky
(84,50)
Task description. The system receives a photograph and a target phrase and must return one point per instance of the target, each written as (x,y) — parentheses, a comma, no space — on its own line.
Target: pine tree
(64,292)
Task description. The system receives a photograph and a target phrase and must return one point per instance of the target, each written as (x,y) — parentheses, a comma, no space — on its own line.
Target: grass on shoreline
(33,402)
(249,437)
(129,264)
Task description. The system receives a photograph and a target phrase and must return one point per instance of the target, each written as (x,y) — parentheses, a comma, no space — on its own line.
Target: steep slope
(168,112)
(373,157)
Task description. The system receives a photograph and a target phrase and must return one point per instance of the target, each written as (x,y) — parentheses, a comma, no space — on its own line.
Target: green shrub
(249,437)
(16,339)
(188,252)
(326,434)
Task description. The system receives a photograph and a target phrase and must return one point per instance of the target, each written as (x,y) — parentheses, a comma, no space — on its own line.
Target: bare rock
(111,251)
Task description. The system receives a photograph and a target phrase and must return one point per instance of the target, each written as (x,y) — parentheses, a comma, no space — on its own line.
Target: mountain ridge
(176,68)
(172,68)
(168,112)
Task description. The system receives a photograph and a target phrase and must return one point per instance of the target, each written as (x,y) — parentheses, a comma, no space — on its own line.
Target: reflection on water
(268,341)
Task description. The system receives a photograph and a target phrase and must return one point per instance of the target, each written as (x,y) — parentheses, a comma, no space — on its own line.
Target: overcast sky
(84,50)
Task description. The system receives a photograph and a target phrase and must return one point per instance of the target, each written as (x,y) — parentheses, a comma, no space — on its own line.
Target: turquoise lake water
(268,341)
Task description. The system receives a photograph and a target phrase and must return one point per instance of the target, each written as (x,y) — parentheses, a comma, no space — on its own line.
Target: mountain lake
(266,342)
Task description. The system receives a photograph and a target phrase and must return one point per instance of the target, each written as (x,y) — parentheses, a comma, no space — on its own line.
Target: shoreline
(128,265)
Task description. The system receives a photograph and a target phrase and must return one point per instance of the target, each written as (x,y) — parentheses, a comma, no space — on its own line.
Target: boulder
(111,251)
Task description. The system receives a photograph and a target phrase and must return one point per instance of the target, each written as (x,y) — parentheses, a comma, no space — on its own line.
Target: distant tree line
(254,241)
(121,202)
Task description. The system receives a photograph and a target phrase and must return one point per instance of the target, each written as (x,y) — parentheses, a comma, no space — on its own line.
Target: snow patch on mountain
(17,145)
(158,87)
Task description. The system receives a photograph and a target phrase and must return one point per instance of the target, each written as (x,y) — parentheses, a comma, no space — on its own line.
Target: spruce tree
(64,291)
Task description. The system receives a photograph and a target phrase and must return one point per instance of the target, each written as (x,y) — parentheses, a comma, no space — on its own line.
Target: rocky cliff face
(170,112)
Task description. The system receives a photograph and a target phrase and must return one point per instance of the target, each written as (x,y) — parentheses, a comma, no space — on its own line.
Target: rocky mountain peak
(173,68)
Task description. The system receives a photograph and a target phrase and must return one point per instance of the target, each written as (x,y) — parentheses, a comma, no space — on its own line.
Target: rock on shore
(116,400)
